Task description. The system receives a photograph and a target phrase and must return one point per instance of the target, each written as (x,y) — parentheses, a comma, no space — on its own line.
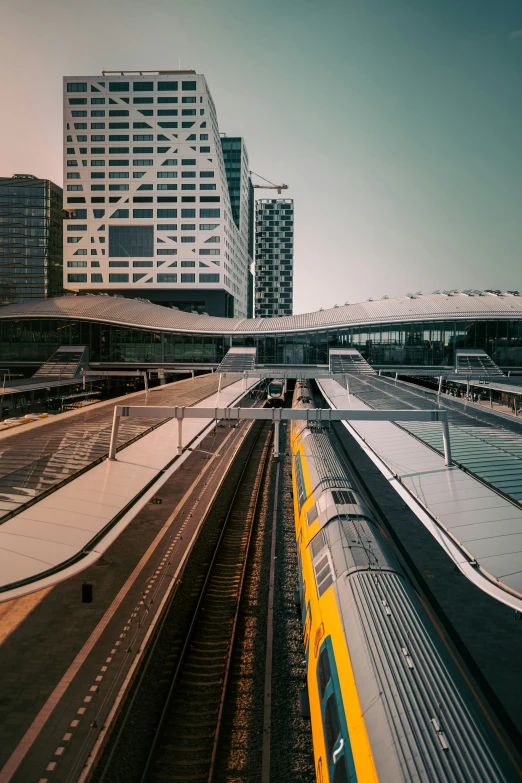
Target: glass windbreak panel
(136,241)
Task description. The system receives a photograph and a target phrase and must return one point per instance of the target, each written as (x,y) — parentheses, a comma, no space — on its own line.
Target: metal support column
(114,433)
(446,440)
(146,381)
(467,389)
(276,438)
(439,390)
(396,377)
(515,404)
(179,419)
(83,380)
(491,397)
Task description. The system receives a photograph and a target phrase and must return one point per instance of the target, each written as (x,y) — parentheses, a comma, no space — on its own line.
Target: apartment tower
(274,267)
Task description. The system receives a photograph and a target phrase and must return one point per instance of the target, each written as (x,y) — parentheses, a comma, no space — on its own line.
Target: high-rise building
(31,239)
(145,176)
(235,158)
(274,257)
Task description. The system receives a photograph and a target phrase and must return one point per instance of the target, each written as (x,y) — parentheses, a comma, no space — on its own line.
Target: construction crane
(270,185)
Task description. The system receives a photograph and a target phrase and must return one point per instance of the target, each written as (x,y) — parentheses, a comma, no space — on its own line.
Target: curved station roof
(143,314)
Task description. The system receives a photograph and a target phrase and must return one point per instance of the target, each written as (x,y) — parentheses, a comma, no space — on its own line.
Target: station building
(409,331)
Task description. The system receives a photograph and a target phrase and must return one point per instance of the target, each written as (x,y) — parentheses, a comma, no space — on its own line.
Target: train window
(340,771)
(317,543)
(342,497)
(311,514)
(332,725)
(299,480)
(324,672)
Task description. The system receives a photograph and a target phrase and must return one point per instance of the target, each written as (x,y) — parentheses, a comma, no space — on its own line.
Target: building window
(118,86)
(96,278)
(207,278)
(208,226)
(209,213)
(209,251)
(98,113)
(117,113)
(98,213)
(116,125)
(188,278)
(167,278)
(118,278)
(143,162)
(79,113)
(77,101)
(128,241)
(97,126)
(164,86)
(80,126)
(142,213)
(167,124)
(76,86)
(143,263)
(76,264)
(168,99)
(185,86)
(206,173)
(207,186)
(188,161)
(167,112)
(77,278)
(167,227)
(167,213)
(117,162)
(118,175)
(209,199)
(167,174)
(120,213)
(98,101)
(170,251)
(118,150)
(188,240)
(120,264)
(189,264)
(142,150)
(73,175)
(143,86)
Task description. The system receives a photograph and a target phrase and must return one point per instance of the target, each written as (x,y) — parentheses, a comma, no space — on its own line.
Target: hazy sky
(396,123)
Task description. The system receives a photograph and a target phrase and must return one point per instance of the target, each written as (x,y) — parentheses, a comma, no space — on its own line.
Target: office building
(235,158)
(146,179)
(31,239)
(274,257)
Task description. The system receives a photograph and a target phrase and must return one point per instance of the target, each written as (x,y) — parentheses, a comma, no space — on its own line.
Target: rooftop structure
(421,331)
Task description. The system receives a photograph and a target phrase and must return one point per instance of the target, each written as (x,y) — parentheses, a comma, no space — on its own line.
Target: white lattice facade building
(146,187)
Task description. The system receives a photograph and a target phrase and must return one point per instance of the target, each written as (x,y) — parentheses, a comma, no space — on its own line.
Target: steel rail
(196,614)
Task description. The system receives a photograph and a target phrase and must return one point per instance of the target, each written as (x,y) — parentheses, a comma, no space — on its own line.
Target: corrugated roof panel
(132,312)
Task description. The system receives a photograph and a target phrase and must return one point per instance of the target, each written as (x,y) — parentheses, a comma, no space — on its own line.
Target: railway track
(181,692)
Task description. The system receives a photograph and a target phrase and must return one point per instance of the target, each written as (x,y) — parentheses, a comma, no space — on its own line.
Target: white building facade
(147,193)
(274,280)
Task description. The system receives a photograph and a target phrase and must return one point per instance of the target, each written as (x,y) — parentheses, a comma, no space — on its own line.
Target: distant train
(276,393)
(387,701)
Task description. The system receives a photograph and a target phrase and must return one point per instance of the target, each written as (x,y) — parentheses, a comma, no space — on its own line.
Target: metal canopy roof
(142,314)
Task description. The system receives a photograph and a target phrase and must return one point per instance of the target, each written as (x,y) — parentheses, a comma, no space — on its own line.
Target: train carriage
(387,700)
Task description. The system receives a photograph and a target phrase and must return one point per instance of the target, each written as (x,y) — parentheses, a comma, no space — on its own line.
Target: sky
(397,124)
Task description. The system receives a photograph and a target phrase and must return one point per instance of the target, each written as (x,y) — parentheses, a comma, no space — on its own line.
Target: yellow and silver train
(387,701)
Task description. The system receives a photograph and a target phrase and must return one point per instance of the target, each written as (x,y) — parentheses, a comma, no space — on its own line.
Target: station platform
(480,529)
(62,504)
(80,658)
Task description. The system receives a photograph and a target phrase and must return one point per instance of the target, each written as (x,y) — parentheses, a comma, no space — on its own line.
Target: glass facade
(31,239)
(431,343)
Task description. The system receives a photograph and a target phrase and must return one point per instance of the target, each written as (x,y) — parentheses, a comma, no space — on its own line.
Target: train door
(339,759)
